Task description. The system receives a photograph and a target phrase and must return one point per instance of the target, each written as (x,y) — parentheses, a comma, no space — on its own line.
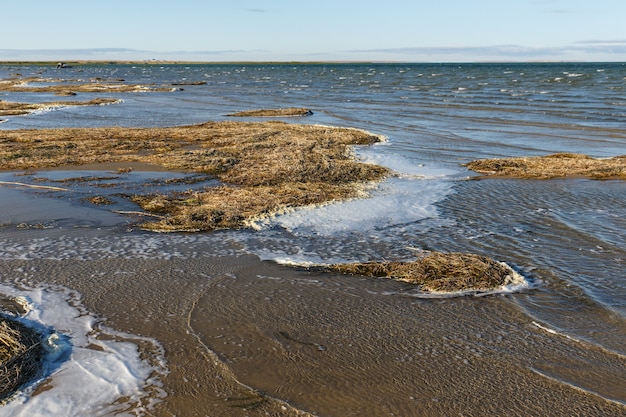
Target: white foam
(397,201)
(89,370)
(402,166)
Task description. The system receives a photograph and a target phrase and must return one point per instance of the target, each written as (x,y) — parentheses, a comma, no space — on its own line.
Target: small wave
(573,74)
(552,331)
(581,341)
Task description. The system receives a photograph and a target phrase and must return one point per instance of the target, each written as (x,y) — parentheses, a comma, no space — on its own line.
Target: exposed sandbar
(286,112)
(558,165)
(439,272)
(264,167)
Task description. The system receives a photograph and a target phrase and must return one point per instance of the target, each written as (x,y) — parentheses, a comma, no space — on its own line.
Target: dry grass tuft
(444,272)
(8,108)
(287,112)
(264,167)
(21,356)
(558,165)
(99,200)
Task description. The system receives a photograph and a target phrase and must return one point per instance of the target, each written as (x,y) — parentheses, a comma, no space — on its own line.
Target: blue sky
(320,30)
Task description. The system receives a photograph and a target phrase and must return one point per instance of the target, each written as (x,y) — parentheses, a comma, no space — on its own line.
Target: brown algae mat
(559,165)
(21,356)
(286,112)
(264,167)
(9,108)
(440,272)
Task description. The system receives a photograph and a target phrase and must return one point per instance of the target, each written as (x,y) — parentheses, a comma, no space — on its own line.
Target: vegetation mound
(558,165)
(264,167)
(287,112)
(21,355)
(46,85)
(8,108)
(439,272)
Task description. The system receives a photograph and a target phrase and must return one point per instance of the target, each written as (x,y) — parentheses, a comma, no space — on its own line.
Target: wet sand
(245,337)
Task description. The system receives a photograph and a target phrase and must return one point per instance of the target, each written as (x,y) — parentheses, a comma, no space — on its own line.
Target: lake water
(223,324)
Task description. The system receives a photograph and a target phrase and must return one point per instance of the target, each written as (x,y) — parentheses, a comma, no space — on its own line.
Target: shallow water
(244,335)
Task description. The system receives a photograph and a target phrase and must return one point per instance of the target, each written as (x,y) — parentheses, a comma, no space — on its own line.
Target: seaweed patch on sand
(441,272)
(263,167)
(558,165)
(21,356)
(8,108)
(286,112)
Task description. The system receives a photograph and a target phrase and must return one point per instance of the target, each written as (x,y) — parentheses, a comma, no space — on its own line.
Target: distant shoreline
(71,63)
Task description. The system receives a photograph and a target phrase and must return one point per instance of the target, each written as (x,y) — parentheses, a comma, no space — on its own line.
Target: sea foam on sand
(89,370)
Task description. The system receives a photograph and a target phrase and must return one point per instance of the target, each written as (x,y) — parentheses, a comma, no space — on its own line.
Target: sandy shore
(249,338)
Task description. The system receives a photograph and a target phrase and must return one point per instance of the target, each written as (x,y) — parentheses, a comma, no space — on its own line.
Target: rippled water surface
(244,334)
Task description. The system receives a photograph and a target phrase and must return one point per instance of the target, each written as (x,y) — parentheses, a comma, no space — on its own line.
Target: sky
(319,30)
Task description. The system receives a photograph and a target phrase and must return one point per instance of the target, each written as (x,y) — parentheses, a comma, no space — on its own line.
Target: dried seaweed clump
(21,356)
(558,165)
(440,272)
(287,112)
